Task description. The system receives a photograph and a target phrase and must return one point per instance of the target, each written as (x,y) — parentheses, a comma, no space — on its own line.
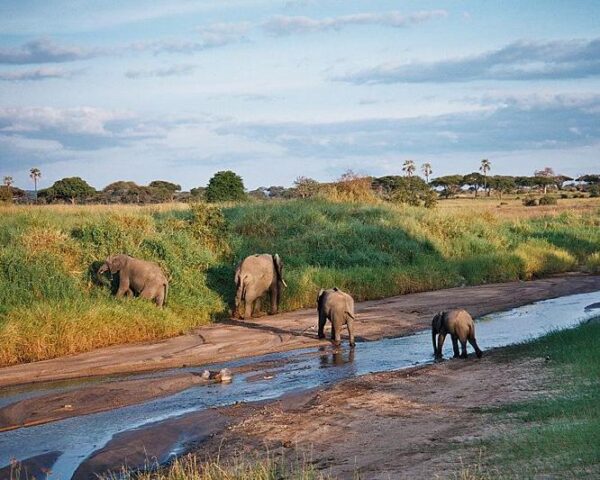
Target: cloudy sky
(142,90)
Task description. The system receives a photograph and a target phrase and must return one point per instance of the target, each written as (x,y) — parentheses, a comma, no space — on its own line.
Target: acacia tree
(71,188)
(485,167)
(544,177)
(35,175)
(409,168)
(305,187)
(474,180)
(225,186)
(427,171)
(7,194)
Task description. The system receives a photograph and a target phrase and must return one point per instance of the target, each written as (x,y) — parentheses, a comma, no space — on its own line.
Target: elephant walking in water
(338,307)
(139,277)
(460,326)
(254,277)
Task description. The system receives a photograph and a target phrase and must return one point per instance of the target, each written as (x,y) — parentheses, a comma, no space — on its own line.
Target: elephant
(254,277)
(338,307)
(138,277)
(460,326)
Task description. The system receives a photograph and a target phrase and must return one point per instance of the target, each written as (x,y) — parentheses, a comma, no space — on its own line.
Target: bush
(595,191)
(564,195)
(547,200)
(225,186)
(530,202)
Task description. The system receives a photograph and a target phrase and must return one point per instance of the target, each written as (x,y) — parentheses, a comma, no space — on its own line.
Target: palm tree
(409,168)
(8,181)
(35,175)
(427,170)
(485,167)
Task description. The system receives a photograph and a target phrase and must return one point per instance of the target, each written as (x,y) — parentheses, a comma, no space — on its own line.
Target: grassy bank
(52,304)
(557,435)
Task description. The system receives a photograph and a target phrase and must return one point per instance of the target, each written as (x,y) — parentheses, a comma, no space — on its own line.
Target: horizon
(275,90)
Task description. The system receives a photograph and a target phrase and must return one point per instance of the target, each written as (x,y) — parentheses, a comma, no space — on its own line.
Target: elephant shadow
(105,280)
(219,279)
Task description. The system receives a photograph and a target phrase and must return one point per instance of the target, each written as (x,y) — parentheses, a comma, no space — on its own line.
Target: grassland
(557,435)
(52,303)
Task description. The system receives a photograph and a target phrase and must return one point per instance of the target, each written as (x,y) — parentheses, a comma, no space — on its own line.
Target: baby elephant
(338,307)
(143,278)
(460,326)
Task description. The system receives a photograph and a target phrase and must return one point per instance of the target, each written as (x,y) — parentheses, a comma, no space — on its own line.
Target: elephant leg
(322,321)
(455,345)
(473,343)
(256,307)
(336,331)
(440,344)
(463,346)
(350,324)
(159,298)
(248,307)
(123,287)
(274,298)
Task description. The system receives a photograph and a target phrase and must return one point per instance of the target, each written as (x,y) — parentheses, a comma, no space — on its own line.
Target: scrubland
(52,303)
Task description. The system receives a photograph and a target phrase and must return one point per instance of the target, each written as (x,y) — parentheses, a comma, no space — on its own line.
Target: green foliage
(450,183)
(71,189)
(52,303)
(547,200)
(225,186)
(557,434)
(594,191)
(407,190)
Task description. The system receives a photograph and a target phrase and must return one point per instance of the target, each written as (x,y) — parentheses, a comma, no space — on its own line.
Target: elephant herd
(259,274)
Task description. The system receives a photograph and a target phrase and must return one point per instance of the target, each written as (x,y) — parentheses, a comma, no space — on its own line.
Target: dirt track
(224,341)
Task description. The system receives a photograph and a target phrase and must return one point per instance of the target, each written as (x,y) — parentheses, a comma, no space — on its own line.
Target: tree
(224,186)
(544,178)
(72,189)
(409,168)
(475,181)
(484,168)
(163,191)
(450,183)
(305,187)
(35,175)
(502,184)
(409,190)
(427,171)
(123,192)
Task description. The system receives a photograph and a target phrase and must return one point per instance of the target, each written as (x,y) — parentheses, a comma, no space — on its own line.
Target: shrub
(595,191)
(564,195)
(547,200)
(530,202)
(225,186)
(351,188)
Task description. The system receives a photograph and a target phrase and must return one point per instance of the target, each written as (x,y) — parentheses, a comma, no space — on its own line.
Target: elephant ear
(279,268)
(321,292)
(436,322)
(115,263)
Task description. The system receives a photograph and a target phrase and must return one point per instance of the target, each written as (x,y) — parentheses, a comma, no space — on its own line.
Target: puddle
(79,437)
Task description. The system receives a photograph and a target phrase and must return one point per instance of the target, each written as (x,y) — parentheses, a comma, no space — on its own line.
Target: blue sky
(141,90)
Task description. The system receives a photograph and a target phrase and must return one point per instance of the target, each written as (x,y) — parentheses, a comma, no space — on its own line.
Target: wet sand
(234,339)
(378,319)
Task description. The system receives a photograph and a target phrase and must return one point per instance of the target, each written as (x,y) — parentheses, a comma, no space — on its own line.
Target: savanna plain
(53,303)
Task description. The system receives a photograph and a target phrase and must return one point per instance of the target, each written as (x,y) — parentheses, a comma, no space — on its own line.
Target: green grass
(558,434)
(52,304)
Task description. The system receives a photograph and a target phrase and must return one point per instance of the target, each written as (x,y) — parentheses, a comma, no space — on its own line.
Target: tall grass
(237,468)
(52,303)
(557,435)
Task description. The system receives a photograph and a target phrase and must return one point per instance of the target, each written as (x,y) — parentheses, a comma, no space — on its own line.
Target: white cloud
(172,71)
(561,59)
(286,25)
(42,73)
(44,50)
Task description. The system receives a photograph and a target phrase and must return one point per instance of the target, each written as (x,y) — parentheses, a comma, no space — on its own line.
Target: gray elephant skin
(338,307)
(254,277)
(460,326)
(139,277)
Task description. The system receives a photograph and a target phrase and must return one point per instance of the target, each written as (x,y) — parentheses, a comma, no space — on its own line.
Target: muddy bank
(415,423)
(236,339)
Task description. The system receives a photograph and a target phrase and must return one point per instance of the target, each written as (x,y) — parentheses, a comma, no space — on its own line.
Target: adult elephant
(138,277)
(254,277)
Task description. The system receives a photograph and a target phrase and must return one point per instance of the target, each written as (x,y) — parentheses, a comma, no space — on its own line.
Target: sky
(143,90)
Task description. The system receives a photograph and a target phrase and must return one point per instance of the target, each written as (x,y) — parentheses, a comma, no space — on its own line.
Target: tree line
(228,186)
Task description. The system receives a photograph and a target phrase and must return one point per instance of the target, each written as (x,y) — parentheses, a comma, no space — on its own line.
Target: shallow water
(79,437)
